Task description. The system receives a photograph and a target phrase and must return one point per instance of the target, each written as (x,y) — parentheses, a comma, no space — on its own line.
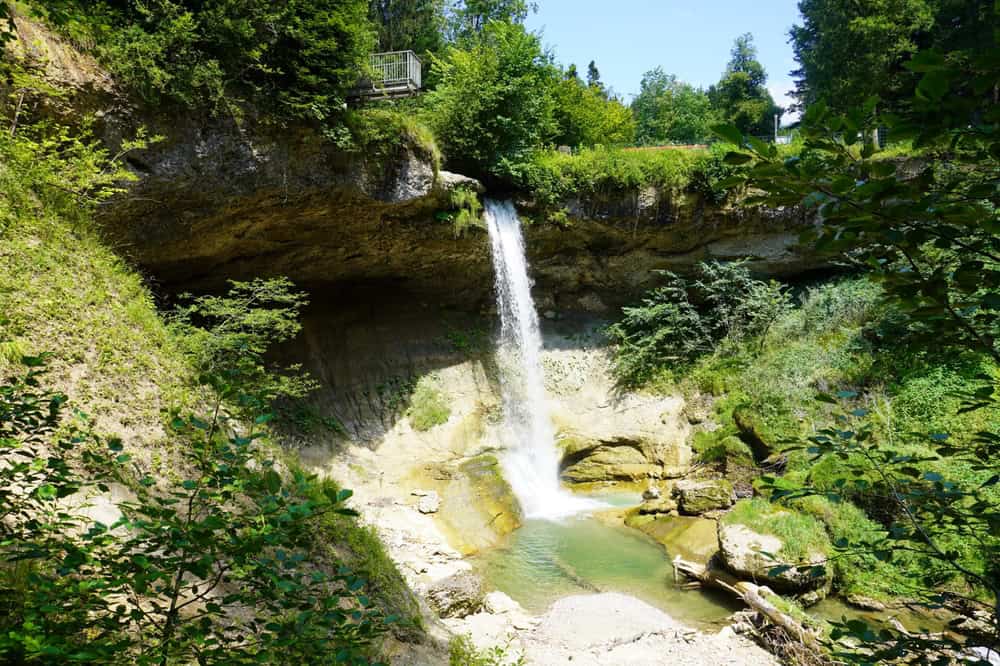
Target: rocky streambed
(438,499)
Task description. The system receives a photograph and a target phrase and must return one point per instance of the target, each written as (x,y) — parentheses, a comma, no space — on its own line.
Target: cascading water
(531,462)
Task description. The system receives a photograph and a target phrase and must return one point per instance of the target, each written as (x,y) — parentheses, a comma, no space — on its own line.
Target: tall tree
(416,25)
(848,51)
(467,18)
(668,110)
(586,116)
(494,101)
(594,77)
(740,96)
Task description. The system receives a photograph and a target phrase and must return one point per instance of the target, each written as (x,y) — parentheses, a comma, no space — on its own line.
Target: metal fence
(395,69)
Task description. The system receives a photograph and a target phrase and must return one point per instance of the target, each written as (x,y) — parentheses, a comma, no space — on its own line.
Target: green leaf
(926,61)
(758,146)
(737,158)
(728,133)
(934,85)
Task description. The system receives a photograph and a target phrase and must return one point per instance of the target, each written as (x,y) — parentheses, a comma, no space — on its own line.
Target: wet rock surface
(695,497)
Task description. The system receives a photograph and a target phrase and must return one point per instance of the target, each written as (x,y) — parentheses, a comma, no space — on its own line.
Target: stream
(545,560)
(573,544)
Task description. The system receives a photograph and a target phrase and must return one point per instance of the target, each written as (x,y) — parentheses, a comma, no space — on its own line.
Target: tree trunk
(754,596)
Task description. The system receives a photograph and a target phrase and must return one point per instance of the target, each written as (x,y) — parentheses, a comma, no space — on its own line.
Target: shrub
(588,117)
(428,405)
(227,337)
(494,103)
(228,534)
(463,652)
(298,58)
(710,172)
(685,319)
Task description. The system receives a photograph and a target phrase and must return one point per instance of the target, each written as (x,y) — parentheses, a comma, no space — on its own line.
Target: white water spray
(531,462)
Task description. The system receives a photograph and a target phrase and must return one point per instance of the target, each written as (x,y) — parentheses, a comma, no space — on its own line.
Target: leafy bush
(298,58)
(494,103)
(586,116)
(428,405)
(463,652)
(685,319)
(161,584)
(552,177)
(340,537)
(227,337)
(710,174)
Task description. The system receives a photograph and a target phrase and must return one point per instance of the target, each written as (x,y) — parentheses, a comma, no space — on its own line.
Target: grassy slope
(829,344)
(66,293)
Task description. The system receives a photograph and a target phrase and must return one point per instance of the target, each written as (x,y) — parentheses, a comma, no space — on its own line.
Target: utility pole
(776,128)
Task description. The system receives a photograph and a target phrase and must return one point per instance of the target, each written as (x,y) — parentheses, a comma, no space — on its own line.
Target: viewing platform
(393,74)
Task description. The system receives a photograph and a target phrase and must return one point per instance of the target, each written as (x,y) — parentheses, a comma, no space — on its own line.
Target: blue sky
(689,38)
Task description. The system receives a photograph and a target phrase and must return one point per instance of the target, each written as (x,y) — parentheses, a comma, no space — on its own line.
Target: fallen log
(754,596)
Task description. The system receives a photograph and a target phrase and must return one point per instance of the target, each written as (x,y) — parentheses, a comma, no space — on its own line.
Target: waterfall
(531,462)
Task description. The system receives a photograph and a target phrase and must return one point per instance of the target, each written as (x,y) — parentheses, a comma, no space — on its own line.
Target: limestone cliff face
(216,201)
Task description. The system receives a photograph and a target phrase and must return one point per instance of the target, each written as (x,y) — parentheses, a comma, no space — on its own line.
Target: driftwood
(754,596)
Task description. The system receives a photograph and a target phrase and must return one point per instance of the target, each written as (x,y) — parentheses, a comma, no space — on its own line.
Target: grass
(63,291)
(344,538)
(428,405)
(801,534)
(463,652)
(382,131)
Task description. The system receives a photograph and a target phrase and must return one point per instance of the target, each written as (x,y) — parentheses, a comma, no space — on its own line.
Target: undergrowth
(428,405)
(463,652)
(838,337)
(801,535)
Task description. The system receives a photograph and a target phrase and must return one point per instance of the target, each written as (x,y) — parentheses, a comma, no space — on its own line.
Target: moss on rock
(695,497)
(478,506)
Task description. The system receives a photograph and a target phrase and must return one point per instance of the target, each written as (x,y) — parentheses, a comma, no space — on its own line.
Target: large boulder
(611,459)
(662,505)
(691,537)
(478,507)
(627,437)
(695,497)
(459,595)
(753,552)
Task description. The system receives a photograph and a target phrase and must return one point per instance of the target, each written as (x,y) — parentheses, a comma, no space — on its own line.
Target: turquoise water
(546,560)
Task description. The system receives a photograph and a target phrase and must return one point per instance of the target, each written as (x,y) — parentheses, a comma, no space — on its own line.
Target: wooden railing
(395,69)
